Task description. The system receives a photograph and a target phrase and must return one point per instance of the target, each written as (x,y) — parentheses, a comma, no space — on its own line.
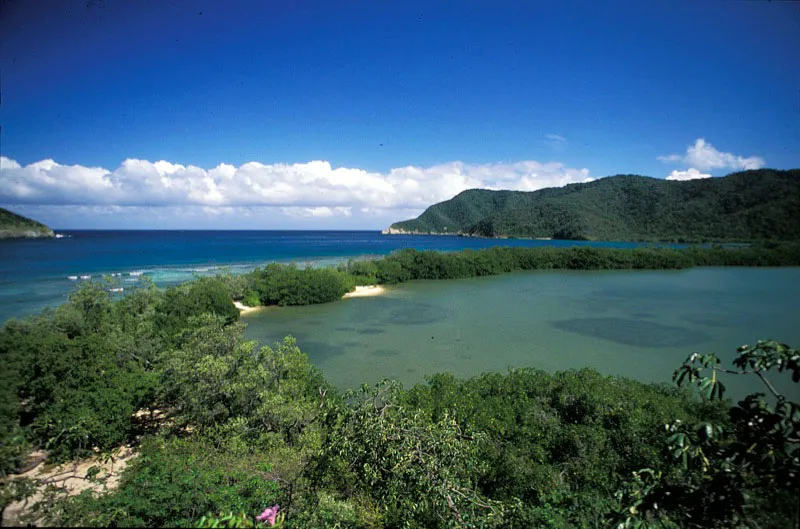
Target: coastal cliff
(399,231)
(13,226)
(396,231)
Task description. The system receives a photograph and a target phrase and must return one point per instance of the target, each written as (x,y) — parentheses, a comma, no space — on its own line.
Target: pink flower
(268,515)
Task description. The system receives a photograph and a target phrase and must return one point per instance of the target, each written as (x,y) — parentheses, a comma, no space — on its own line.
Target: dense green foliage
(728,473)
(16,226)
(283,285)
(746,206)
(194,298)
(78,372)
(225,427)
(287,285)
(279,284)
(409,264)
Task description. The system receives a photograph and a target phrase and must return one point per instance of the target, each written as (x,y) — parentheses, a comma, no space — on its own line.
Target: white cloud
(555,137)
(313,189)
(322,211)
(212,217)
(689,174)
(704,156)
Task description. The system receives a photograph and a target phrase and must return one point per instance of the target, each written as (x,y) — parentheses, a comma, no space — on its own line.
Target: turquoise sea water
(37,273)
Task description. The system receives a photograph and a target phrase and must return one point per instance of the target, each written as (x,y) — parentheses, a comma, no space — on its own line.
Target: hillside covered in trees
(13,226)
(741,207)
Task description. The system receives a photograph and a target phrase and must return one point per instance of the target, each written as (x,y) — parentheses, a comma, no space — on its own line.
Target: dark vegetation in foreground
(746,206)
(247,426)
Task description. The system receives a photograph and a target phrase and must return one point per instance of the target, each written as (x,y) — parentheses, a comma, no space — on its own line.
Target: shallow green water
(640,324)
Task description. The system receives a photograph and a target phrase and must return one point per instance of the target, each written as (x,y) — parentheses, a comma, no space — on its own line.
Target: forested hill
(14,226)
(745,206)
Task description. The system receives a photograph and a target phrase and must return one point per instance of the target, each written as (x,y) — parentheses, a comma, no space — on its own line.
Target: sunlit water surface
(640,324)
(36,273)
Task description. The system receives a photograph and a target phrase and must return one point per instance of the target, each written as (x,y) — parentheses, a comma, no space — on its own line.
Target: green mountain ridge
(752,205)
(13,226)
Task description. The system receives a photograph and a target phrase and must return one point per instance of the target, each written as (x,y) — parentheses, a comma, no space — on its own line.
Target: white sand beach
(365,291)
(244,309)
(359,292)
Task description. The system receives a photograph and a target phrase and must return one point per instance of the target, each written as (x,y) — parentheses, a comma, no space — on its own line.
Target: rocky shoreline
(26,234)
(397,231)
(13,226)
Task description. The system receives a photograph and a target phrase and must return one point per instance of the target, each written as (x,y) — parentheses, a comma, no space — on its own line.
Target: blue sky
(297,114)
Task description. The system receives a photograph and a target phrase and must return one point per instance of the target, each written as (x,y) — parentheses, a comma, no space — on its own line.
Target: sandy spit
(244,309)
(361,292)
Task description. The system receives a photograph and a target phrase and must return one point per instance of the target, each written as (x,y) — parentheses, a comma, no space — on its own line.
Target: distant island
(741,207)
(13,226)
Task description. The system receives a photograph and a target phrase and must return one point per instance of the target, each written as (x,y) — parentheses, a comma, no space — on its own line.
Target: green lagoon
(639,324)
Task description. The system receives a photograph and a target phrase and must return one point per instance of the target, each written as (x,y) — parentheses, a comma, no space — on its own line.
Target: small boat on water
(72,278)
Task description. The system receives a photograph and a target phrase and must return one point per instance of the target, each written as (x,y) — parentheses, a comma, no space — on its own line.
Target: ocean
(35,273)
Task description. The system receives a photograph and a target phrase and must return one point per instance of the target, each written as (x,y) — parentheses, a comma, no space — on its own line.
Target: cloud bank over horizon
(313,185)
(313,190)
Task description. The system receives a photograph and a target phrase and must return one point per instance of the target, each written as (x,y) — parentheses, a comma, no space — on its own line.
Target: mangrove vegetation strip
(278,284)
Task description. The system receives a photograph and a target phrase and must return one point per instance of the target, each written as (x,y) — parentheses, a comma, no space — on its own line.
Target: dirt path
(69,478)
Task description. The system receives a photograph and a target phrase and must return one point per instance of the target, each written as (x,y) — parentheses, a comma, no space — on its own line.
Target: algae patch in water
(634,332)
